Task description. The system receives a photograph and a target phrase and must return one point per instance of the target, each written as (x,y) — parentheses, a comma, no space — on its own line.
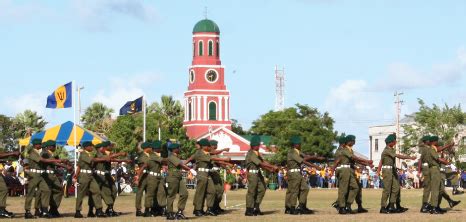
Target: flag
(131,107)
(62,97)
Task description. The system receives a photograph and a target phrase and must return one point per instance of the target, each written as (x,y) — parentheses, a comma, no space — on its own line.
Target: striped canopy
(64,135)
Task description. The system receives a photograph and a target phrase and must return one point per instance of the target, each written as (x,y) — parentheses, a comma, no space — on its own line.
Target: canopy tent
(64,135)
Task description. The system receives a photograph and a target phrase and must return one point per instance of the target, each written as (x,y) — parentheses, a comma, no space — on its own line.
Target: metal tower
(279,89)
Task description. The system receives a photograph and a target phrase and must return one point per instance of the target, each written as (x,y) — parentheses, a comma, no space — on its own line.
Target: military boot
(44,213)
(100,213)
(436,210)
(257,210)
(287,210)
(384,210)
(400,209)
(4,213)
(425,208)
(342,210)
(453,203)
(391,208)
(139,213)
(37,212)
(210,212)
(304,210)
(180,216)
(171,216)
(361,209)
(249,212)
(348,209)
(148,213)
(78,214)
(90,213)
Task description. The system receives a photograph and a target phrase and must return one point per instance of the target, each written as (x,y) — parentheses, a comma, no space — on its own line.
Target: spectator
(364,178)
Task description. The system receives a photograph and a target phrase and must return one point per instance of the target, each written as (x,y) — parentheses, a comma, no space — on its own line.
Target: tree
(27,123)
(446,122)
(237,128)
(315,129)
(168,115)
(7,135)
(97,118)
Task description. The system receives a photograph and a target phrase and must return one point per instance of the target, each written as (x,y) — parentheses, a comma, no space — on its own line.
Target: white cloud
(35,102)
(403,76)
(122,89)
(97,14)
(13,11)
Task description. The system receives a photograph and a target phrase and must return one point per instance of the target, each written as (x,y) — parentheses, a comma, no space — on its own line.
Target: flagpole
(160,135)
(73,97)
(144,118)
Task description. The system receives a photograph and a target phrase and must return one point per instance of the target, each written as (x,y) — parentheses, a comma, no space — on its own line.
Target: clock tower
(207,100)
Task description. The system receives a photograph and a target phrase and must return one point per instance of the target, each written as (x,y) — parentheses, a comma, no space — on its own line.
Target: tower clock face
(191,76)
(211,76)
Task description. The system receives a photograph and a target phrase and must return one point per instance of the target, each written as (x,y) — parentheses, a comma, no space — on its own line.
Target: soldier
(434,161)
(176,183)
(215,174)
(4,189)
(86,181)
(51,178)
(256,183)
(102,175)
(36,180)
(391,184)
(297,185)
(160,196)
(142,158)
(341,142)
(205,187)
(347,186)
(423,166)
(444,172)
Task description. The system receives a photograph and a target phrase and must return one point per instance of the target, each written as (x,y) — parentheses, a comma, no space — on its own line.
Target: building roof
(206,25)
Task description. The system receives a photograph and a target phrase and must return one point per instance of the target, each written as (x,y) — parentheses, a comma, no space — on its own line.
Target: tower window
(211,45)
(217,47)
(189,111)
(201,48)
(212,111)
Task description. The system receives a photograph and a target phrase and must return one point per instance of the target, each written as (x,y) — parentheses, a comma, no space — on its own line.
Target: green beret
(146,145)
(433,139)
(87,143)
(425,138)
(350,138)
(51,143)
(204,142)
(173,146)
(98,146)
(45,144)
(36,142)
(213,142)
(157,144)
(342,140)
(295,140)
(255,141)
(390,138)
(106,143)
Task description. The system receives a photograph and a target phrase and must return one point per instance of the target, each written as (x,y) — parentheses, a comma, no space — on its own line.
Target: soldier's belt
(154,174)
(295,170)
(253,171)
(49,171)
(425,164)
(215,168)
(338,167)
(345,166)
(442,169)
(86,171)
(100,172)
(203,170)
(34,171)
(387,167)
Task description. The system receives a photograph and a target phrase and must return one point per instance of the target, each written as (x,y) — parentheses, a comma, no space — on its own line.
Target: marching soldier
(205,187)
(4,189)
(391,187)
(297,185)
(444,168)
(341,142)
(160,197)
(216,178)
(347,186)
(176,184)
(256,182)
(36,180)
(423,166)
(150,172)
(102,175)
(142,158)
(86,181)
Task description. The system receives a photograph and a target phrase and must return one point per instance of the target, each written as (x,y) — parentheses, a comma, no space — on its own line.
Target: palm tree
(97,117)
(27,123)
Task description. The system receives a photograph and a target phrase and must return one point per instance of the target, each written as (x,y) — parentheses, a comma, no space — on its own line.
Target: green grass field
(272,206)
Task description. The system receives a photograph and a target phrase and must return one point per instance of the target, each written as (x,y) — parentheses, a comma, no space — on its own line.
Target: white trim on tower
(193,105)
(205,108)
(227,116)
(206,35)
(199,108)
(220,98)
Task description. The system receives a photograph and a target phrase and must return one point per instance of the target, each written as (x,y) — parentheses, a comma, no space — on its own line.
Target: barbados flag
(61,98)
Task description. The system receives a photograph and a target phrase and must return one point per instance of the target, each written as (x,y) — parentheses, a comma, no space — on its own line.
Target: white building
(377,135)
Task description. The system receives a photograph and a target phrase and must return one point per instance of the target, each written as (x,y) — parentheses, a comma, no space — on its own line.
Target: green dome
(206,25)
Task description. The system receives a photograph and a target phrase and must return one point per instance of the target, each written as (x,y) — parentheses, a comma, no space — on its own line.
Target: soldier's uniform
(154,178)
(102,175)
(297,186)
(347,185)
(176,185)
(218,182)
(205,186)
(36,181)
(256,182)
(142,185)
(445,172)
(342,141)
(3,196)
(52,180)
(391,185)
(424,150)
(436,178)
(87,183)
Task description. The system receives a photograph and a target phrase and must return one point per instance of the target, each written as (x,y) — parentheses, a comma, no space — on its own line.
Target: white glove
(193,172)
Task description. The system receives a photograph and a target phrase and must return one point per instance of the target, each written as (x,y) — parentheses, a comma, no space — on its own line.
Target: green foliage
(237,128)
(27,123)
(62,152)
(97,118)
(446,122)
(230,179)
(315,129)
(7,135)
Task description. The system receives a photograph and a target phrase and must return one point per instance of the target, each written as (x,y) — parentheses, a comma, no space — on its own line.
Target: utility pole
(79,104)
(279,89)
(398,104)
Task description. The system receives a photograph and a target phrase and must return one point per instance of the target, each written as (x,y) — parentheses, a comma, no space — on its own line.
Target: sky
(347,58)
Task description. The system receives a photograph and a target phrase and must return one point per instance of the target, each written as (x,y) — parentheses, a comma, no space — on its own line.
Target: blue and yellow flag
(132,107)
(61,98)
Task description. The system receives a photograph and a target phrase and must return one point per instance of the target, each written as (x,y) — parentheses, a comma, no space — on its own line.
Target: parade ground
(273,204)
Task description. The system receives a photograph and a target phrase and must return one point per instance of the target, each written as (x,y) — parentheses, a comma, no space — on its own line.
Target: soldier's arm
(216,159)
(405,157)
(120,161)
(313,157)
(52,161)
(4,155)
(335,164)
(362,161)
(115,155)
(268,166)
(440,149)
(224,164)
(217,152)
(312,165)
(444,161)
(191,158)
(379,167)
(101,159)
